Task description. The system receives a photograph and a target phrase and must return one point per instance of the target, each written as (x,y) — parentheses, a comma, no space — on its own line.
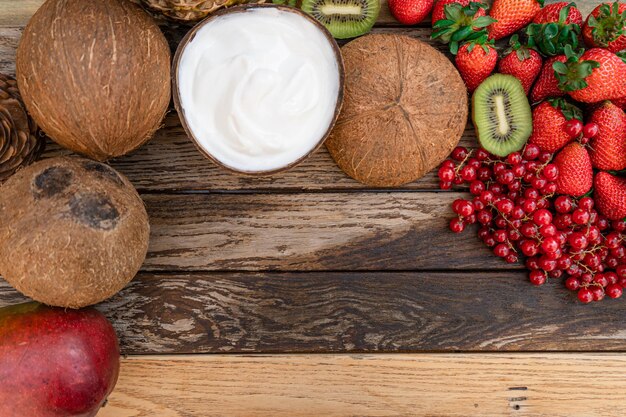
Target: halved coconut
(258,87)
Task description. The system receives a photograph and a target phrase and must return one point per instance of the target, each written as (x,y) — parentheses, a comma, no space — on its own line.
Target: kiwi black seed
(344,18)
(501,114)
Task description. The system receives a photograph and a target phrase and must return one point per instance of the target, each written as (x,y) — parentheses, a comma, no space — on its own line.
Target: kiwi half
(501,114)
(344,18)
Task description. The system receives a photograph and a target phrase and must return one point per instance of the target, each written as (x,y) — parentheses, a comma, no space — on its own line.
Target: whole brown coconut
(405,109)
(73,232)
(95,75)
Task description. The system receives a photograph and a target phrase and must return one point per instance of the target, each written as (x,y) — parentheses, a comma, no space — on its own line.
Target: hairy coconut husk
(187,10)
(404,110)
(73,232)
(95,75)
(20,143)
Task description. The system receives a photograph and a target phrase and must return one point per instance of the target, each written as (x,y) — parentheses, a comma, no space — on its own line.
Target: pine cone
(20,142)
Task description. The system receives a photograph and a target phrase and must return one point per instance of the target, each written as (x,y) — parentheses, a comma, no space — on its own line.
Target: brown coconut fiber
(73,232)
(95,75)
(404,110)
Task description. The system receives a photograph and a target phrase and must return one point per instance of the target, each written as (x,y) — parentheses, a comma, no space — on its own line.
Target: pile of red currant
(519,214)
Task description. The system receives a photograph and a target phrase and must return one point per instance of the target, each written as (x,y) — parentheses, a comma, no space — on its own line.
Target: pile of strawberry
(561,201)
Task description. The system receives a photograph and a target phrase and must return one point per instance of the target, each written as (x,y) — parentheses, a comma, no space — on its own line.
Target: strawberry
(475,62)
(549,119)
(610,195)
(547,85)
(439,9)
(462,24)
(551,13)
(619,102)
(606,27)
(511,16)
(608,146)
(554,28)
(575,171)
(522,63)
(410,12)
(596,76)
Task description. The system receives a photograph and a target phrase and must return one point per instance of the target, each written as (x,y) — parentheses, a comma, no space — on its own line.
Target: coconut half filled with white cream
(258,87)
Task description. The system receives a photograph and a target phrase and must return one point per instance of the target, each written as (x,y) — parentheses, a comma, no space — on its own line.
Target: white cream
(258,88)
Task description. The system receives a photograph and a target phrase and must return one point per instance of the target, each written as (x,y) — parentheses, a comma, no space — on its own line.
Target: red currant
(580,216)
(572,283)
(585,203)
(468,173)
(550,172)
(549,245)
(537,277)
(529,248)
(585,295)
(457,225)
(446,174)
(501,250)
(573,128)
(531,151)
(578,241)
(614,291)
(477,187)
(544,157)
(459,153)
(590,130)
(542,217)
(597,292)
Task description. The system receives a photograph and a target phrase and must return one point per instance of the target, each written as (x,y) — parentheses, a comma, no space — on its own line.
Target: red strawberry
(550,14)
(619,102)
(410,12)
(511,16)
(597,75)
(522,63)
(610,195)
(462,24)
(606,27)
(475,62)
(608,146)
(439,12)
(547,85)
(549,119)
(554,27)
(575,172)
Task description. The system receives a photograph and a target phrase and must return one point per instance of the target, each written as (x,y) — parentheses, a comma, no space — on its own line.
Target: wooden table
(308,294)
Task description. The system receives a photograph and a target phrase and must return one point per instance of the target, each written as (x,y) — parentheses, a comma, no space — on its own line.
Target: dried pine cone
(20,142)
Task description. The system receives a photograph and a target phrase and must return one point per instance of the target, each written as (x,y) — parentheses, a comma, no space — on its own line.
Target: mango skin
(55,362)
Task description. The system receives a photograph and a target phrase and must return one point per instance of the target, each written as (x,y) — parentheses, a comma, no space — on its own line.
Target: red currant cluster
(519,214)
(574,128)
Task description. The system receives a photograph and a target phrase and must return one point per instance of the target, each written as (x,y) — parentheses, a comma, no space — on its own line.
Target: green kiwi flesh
(501,114)
(344,18)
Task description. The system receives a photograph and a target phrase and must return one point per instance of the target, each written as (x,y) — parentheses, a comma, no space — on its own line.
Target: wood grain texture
(354,312)
(451,385)
(307,232)
(17,12)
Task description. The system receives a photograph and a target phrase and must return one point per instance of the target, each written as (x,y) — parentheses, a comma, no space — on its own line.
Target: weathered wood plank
(452,385)
(354,312)
(306,232)
(170,162)
(17,13)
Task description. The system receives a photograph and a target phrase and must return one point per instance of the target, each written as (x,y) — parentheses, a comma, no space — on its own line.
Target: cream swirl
(258,88)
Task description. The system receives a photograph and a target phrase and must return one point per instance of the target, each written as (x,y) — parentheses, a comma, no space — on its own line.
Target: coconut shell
(405,109)
(73,232)
(95,75)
